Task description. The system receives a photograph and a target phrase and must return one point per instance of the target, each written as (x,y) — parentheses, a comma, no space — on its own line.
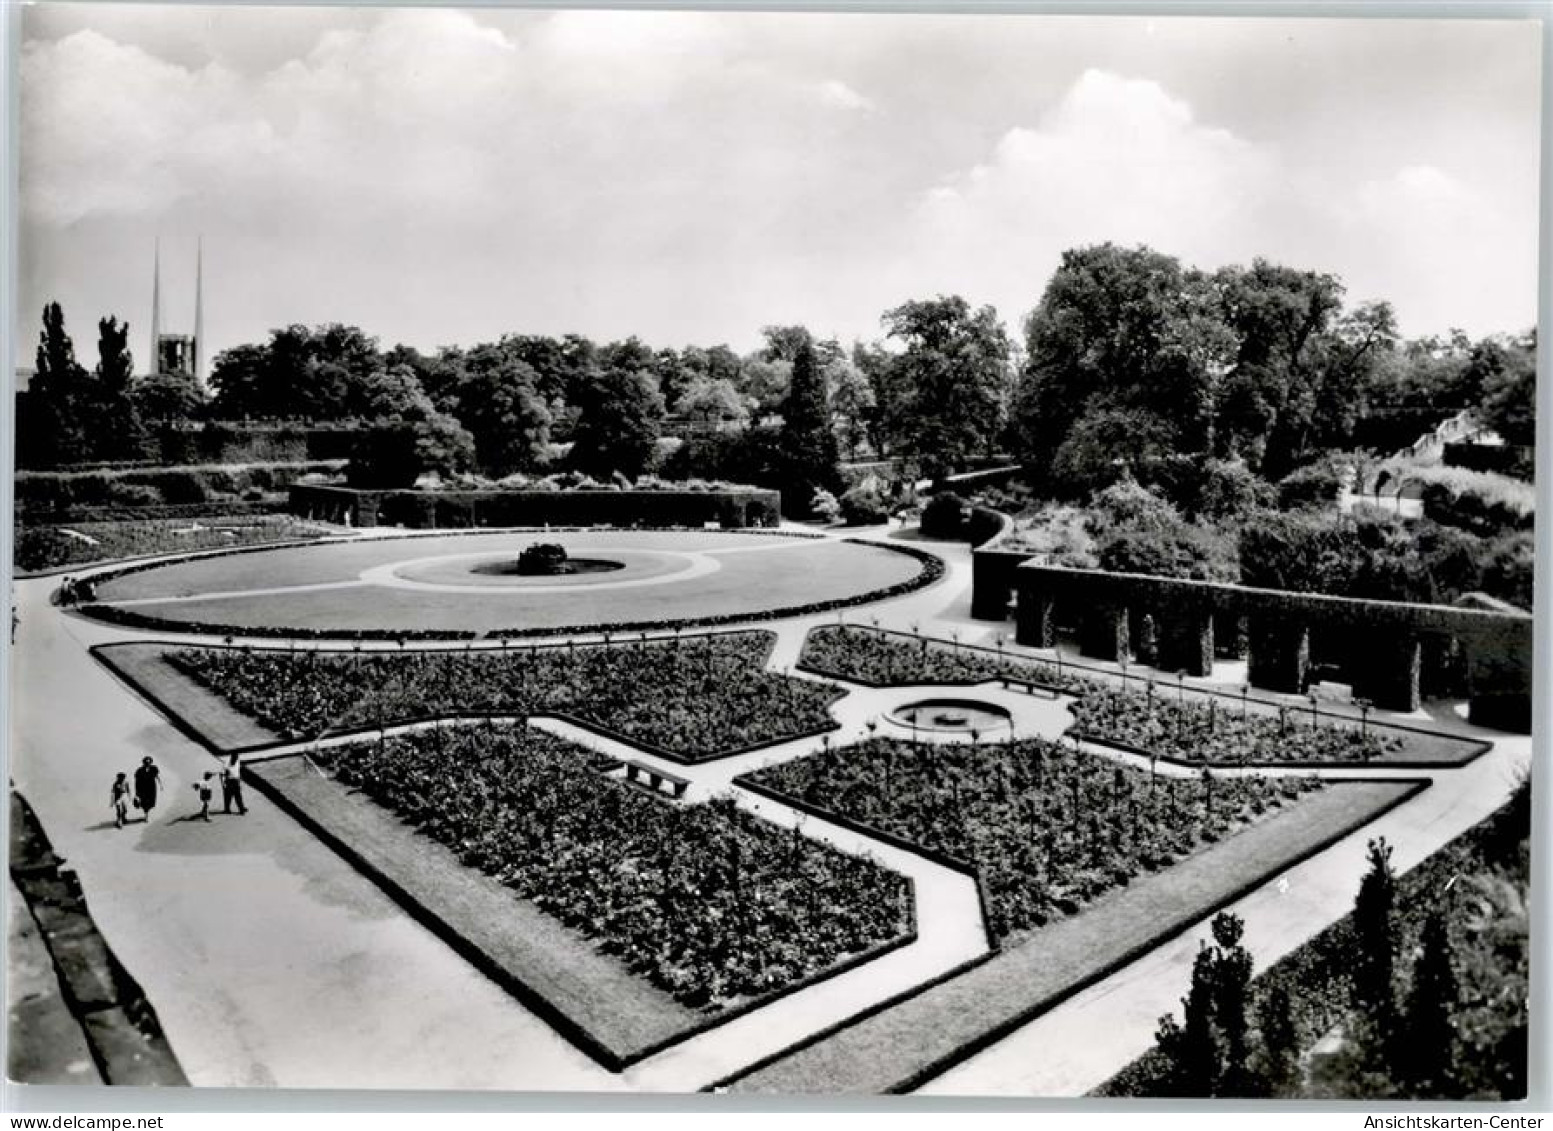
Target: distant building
(178,354)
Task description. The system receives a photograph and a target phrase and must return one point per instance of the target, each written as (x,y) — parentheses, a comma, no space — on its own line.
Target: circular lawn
(455,583)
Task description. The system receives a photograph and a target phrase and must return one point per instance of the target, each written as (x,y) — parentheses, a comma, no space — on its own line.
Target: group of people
(147,784)
(77,592)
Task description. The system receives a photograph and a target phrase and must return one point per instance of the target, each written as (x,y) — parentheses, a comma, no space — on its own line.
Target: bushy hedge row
(601,504)
(1048,830)
(50,547)
(696,698)
(707,901)
(1142,719)
(43,493)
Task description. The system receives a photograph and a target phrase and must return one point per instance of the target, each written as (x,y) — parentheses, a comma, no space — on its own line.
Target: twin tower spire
(178,353)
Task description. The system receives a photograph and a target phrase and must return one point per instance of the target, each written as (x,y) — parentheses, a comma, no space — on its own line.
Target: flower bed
(51,547)
(709,902)
(1048,830)
(695,698)
(1146,720)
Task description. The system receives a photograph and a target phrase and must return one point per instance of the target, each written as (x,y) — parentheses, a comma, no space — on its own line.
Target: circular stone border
(1002,718)
(691,565)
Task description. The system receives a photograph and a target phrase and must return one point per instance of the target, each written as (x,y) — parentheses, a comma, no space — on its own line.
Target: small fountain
(952,716)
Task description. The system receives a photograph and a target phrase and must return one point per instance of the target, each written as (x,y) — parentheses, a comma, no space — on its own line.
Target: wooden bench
(656,779)
(1039,690)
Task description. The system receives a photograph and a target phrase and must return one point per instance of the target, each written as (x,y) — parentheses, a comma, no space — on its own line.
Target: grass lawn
(915,1039)
(598,1003)
(753,574)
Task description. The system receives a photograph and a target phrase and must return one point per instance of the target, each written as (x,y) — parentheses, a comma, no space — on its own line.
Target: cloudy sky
(443,176)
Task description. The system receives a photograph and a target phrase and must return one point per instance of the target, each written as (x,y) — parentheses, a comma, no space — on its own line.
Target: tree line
(1129,358)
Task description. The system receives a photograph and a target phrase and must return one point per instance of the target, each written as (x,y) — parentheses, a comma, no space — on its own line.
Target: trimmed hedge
(41,494)
(730,508)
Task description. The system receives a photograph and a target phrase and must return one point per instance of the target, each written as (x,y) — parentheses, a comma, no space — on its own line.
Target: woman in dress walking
(147,779)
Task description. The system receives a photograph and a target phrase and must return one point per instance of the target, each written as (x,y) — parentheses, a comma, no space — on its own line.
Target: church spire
(198,345)
(156,309)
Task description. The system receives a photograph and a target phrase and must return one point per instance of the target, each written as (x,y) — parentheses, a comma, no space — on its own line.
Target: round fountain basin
(952,716)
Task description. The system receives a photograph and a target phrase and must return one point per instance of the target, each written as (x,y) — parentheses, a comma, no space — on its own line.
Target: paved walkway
(348,992)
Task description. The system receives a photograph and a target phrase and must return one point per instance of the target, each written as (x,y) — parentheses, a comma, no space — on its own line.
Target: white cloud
(838,93)
(1122,160)
(439,174)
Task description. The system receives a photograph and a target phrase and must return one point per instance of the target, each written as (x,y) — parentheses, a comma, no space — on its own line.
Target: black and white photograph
(773,554)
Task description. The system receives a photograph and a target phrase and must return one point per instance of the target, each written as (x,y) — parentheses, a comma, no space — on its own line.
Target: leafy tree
(1231,1003)
(1373,989)
(395,453)
(1428,1065)
(1193,1045)
(1278,1060)
(955,378)
(1508,372)
(808,444)
(162,398)
(620,414)
(714,401)
(1129,333)
(765,384)
(500,403)
(317,373)
(53,430)
(240,379)
(852,404)
(393,392)
(119,434)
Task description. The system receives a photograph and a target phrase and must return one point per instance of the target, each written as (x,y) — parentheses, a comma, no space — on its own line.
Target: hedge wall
(49,495)
(748,507)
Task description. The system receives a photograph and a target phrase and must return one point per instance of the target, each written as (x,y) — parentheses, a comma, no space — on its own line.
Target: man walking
(232,785)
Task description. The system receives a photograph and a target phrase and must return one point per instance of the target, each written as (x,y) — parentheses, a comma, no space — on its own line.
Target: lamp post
(1364,706)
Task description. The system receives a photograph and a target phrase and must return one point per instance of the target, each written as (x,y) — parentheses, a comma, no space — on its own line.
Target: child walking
(119,799)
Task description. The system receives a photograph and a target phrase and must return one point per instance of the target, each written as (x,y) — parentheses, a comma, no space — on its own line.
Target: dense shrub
(864,506)
(49,547)
(542,559)
(1214,490)
(1047,830)
(1059,533)
(1144,719)
(1316,486)
(695,698)
(944,516)
(43,495)
(708,902)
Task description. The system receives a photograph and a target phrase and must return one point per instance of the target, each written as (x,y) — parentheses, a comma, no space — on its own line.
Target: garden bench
(1029,688)
(656,779)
